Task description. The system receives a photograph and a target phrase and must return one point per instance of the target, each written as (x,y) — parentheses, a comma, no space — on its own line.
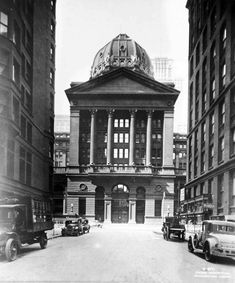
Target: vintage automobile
(215,239)
(21,223)
(72,228)
(86,226)
(172,226)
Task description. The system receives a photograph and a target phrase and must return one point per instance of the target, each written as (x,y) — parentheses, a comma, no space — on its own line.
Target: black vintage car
(172,226)
(72,228)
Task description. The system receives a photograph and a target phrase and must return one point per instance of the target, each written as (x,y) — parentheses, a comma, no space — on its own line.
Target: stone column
(107,210)
(148,138)
(90,207)
(132,211)
(168,139)
(132,139)
(92,142)
(74,138)
(109,137)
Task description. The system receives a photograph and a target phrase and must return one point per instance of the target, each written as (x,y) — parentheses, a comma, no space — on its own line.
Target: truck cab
(17,227)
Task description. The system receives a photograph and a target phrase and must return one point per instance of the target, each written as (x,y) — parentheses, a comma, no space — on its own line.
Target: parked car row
(215,238)
(75,227)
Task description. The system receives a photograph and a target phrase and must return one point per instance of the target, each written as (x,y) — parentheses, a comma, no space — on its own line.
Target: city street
(115,253)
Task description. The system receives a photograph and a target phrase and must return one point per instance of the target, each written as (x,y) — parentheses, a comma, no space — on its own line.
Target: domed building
(121,139)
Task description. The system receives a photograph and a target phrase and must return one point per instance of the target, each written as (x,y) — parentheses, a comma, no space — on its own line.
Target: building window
(120,153)
(16,72)
(52,78)
(211,155)
(126,138)
(25,166)
(52,53)
(203,162)
(223,75)
(10,158)
(198,53)
(203,133)
(212,90)
(191,66)
(126,123)
(232,190)
(221,114)
(158,208)
(213,21)
(115,123)
(115,153)
(223,37)
(220,190)
(221,149)
(195,166)
(16,35)
(121,123)
(126,153)
(204,40)
(212,124)
(23,127)
(115,138)
(52,28)
(3,24)
(233,141)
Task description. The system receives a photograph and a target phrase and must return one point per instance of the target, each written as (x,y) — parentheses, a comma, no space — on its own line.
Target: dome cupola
(121,51)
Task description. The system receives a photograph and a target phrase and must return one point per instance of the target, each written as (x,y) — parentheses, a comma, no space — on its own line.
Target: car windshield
(226,229)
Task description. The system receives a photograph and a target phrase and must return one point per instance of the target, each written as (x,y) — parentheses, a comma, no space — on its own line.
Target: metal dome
(121,51)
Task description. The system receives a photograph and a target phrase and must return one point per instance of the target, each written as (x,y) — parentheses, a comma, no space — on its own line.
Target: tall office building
(27,71)
(121,139)
(162,68)
(210,188)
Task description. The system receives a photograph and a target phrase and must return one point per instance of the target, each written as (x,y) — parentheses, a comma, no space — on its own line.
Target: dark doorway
(99,204)
(82,206)
(140,205)
(120,204)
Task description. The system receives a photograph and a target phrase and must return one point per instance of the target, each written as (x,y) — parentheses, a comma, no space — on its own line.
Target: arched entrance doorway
(140,205)
(120,204)
(99,204)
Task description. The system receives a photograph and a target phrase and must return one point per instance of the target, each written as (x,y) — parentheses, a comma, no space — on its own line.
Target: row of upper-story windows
(220,153)
(202,93)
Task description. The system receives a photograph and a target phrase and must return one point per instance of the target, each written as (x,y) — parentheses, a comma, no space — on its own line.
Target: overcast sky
(85,26)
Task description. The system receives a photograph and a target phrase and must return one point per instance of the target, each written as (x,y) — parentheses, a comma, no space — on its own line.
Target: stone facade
(27,97)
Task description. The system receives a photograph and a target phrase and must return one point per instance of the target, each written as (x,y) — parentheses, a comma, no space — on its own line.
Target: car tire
(167,234)
(207,253)
(43,241)
(190,246)
(11,249)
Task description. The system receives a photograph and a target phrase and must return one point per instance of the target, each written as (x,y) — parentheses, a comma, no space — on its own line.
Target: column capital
(132,111)
(93,111)
(110,111)
(150,112)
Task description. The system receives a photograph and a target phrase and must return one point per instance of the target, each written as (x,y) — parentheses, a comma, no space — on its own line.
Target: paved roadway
(115,253)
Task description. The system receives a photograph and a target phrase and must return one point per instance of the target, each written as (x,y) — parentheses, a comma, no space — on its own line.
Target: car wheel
(190,246)
(167,234)
(43,241)
(207,253)
(11,249)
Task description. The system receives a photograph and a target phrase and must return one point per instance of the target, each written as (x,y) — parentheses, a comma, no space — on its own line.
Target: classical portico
(121,140)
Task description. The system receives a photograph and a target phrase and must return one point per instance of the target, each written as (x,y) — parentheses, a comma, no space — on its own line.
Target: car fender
(211,242)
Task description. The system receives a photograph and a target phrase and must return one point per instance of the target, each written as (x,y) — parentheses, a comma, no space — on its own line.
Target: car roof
(220,222)
(11,205)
